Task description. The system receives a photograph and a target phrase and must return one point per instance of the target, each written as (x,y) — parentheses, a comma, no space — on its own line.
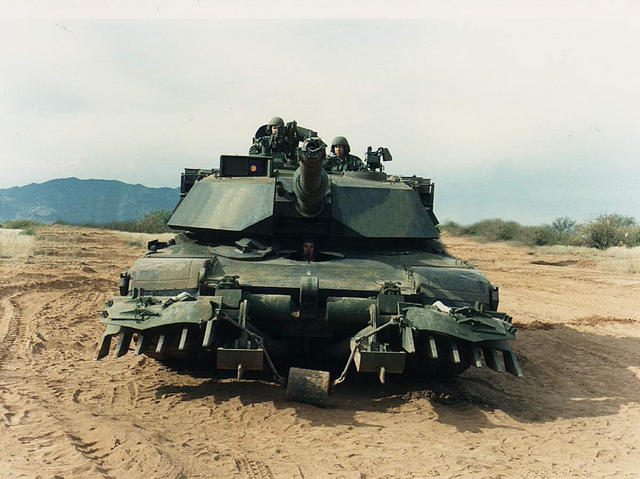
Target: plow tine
(162,342)
(140,344)
(455,354)
(183,339)
(432,350)
(103,350)
(492,359)
(407,340)
(511,363)
(122,346)
(475,351)
(207,340)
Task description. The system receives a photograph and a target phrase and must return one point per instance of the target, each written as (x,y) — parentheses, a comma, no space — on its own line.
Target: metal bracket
(309,288)
(396,320)
(260,342)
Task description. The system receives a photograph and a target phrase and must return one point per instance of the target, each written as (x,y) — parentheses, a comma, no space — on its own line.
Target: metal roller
(308,385)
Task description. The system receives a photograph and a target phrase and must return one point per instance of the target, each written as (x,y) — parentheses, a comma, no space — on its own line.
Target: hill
(84,201)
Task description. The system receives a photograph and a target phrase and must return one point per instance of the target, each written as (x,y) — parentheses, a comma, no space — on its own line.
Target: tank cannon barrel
(310,179)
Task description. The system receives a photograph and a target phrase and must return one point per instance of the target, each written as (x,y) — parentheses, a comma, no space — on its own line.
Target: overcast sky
(525,113)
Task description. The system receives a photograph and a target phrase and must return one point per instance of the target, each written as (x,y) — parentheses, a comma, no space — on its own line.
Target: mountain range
(76,201)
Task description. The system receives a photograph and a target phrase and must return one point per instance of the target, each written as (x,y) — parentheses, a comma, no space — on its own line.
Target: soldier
(275,125)
(271,140)
(273,143)
(340,159)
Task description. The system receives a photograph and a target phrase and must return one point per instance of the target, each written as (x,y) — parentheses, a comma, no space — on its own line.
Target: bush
(538,235)
(453,228)
(608,230)
(631,236)
(603,232)
(153,222)
(27,226)
(494,229)
(564,226)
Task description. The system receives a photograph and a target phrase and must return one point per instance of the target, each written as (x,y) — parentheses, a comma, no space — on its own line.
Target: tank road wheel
(308,385)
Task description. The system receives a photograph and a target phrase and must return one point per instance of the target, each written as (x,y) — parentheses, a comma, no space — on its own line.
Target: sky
(520,110)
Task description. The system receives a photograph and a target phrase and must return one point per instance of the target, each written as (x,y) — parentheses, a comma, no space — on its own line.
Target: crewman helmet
(341,141)
(276,121)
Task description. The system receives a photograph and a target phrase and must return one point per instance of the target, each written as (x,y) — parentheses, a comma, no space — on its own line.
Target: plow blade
(148,316)
(464,335)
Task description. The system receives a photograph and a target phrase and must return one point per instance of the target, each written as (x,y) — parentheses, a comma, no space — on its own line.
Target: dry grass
(617,258)
(624,260)
(15,244)
(140,240)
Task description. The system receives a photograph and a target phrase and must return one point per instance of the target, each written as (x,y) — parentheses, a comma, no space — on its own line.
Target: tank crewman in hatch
(275,125)
(340,158)
(272,142)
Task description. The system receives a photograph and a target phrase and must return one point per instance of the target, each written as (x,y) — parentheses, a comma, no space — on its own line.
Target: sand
(575,413)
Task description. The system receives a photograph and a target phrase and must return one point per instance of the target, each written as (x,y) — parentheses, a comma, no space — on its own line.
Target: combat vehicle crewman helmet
(276,121)
(341,141)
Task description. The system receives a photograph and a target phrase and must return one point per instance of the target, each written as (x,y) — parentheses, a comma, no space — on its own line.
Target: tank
(309,278)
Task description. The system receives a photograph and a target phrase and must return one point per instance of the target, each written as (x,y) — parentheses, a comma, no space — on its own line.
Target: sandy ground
(575,413)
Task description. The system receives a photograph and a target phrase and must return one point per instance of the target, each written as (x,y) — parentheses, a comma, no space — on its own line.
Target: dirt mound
(534,325)
(595,320)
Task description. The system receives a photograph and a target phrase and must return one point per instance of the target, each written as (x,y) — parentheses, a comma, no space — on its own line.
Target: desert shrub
(608,230)
(564,225)
(153,222)
(566,230)
(538,235)
(453,228)
(27,226)
(494,229)
(631,236)
(603,232)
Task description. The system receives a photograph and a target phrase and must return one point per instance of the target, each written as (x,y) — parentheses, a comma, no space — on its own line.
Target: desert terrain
(575,413)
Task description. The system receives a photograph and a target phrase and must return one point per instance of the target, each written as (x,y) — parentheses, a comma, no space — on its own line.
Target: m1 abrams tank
(281,265)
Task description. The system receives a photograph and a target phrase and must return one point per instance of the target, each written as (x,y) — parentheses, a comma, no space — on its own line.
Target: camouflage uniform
(347,163)
(269,145)
(273,145)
